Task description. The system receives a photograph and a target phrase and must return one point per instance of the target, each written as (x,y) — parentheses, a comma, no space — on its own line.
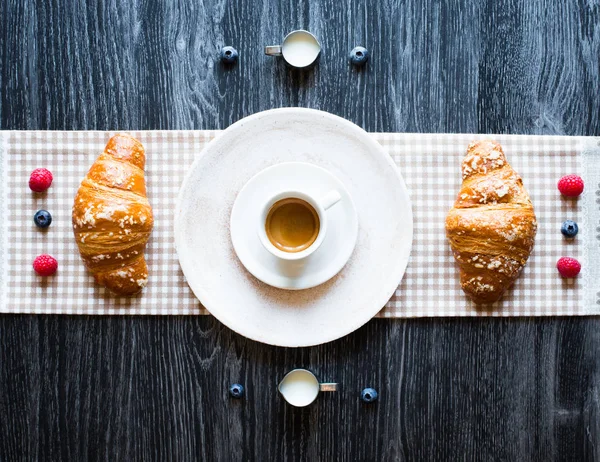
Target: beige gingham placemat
(430,165)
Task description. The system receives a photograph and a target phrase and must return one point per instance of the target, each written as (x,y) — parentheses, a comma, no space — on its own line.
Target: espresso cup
(300,387)
(293,224)
(299,49)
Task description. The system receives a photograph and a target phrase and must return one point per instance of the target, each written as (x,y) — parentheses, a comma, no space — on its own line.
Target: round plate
(301,317)
(327,260)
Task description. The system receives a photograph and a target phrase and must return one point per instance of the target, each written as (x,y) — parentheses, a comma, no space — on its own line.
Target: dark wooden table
(155,388)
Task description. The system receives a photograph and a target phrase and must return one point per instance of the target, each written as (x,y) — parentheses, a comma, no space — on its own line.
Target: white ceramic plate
(246,218)
(253,308)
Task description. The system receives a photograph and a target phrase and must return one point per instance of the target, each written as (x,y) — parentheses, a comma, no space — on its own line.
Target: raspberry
(570,185)
(40,180)
(45,265)
(568,267)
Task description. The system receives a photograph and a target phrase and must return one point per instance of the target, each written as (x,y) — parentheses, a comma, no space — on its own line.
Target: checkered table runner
(430,164)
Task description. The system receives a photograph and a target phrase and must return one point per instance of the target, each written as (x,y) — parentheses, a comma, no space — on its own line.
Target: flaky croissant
(112,218)
(492,226)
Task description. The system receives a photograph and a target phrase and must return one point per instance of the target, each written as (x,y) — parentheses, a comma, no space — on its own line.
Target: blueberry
(42,218)
(368,395)
(569,228)
(359,56)
(229,55)
(236,390)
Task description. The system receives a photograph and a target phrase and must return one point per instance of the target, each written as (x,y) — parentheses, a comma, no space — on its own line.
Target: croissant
(112,218)
(492,226)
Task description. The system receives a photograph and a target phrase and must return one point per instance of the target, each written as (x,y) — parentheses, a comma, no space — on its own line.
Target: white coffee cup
(300,49)
(320,205)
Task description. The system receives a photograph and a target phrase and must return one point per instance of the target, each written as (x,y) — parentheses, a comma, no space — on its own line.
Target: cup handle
(330,199)
(273,50)
(328,387)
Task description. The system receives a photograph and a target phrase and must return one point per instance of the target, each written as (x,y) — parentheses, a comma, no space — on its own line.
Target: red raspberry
(40,180)
(45,265)
(568,267)
(570,185)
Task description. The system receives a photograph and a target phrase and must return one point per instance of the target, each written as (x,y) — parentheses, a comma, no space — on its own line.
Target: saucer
(245,304)
(327,260)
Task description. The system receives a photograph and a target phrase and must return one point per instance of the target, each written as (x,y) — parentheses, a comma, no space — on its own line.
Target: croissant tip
(489,142)
(126,136)
(484,303)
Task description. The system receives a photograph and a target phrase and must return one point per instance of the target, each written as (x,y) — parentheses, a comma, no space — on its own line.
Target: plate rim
(202,295)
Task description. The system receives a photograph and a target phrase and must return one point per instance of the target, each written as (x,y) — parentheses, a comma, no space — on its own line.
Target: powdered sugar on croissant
(492,226)
(112,218)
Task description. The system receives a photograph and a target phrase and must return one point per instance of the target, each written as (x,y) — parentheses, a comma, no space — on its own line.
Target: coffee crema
(292,225)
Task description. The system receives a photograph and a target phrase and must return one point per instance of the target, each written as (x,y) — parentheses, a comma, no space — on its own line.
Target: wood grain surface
(155,388)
